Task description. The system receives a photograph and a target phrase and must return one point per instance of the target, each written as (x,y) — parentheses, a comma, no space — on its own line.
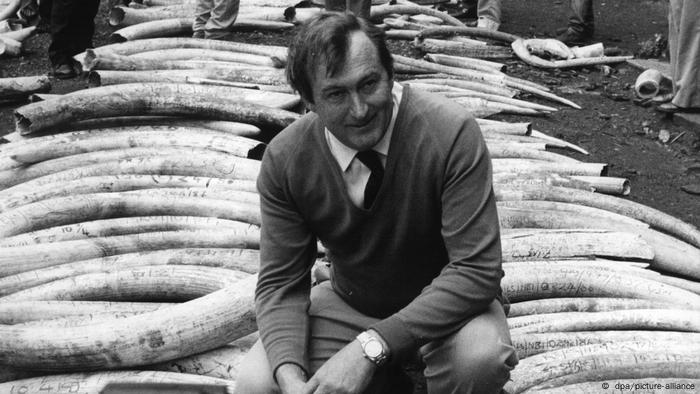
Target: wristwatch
(372,348)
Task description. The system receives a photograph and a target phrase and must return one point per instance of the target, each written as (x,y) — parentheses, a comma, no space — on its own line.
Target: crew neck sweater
(423,259)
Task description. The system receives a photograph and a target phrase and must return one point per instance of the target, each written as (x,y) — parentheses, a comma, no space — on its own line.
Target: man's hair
(325,38)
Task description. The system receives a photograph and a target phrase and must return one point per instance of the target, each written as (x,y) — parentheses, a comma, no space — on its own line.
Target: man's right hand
(291,378)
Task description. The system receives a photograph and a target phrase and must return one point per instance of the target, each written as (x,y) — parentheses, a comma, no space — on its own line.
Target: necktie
(370,159)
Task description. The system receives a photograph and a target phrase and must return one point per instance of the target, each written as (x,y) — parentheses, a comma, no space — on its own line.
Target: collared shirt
(356,174)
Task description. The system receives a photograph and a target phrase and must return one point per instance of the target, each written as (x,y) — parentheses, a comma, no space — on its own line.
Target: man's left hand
(347,372)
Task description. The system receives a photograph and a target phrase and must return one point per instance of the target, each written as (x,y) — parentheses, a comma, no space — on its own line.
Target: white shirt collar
(344,155)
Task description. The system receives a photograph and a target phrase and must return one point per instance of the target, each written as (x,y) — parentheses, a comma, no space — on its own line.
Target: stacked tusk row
(130,225)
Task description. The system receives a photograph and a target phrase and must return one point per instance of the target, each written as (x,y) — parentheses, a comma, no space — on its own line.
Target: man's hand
(291,379)
(347,372)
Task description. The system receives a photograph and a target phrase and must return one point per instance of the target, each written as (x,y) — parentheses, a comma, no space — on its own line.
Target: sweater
(423,259)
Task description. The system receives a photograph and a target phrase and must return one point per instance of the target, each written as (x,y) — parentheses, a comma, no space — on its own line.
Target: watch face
(373,348)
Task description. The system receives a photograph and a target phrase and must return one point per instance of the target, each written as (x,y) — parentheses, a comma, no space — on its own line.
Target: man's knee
(484,351)
(254,375)
(487,359)
(476,359)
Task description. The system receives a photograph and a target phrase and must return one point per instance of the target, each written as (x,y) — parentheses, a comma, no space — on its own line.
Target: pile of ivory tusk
(140,21)
(130,223)
(481,85)
(129,230)
(490,92)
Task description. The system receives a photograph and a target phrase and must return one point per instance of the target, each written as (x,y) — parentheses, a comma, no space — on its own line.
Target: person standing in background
(213,19)
(360,8)
(684,51)
(71,24)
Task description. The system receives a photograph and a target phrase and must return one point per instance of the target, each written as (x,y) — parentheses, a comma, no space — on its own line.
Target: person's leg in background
(72,28)
(489,14)
(360,8)
(223,16)
(61,37)
(44,25)
(684,50)
(478,358)
(83,24)
(202,13)
(581,23)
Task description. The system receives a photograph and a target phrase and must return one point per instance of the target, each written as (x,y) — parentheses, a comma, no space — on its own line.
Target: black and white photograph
(349,196)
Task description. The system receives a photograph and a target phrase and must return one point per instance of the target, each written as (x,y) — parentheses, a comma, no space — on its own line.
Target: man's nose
(358,106)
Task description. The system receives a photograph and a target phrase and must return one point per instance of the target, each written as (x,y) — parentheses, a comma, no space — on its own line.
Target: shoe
(218,34)
(198,34)
(64,71)
(572,37)
(670,108)
(488,24)
(662,98)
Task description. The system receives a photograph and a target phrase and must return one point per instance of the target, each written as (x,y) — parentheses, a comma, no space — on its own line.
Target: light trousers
(684,49)
(490,9)
(215,17)
(358,7)
(581,16)
(477,358)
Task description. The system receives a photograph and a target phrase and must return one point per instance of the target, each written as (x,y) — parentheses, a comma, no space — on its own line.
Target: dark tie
(370,159)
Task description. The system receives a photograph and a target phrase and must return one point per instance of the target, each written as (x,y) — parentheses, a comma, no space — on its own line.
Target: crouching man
(396,184)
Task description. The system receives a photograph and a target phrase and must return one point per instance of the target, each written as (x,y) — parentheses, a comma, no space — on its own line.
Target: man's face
(355,104)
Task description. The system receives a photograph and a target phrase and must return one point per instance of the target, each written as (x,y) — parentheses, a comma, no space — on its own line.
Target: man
(213,19)
(580,29)
(396,184)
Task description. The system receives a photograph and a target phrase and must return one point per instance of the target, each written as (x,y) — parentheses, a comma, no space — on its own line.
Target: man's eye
(369,86)
(335,95)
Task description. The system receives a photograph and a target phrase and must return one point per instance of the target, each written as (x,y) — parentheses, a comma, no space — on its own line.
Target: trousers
(477,358)
(684,50)
(360,8)
(581,16)
(71,24)
(490,9)
(215,17)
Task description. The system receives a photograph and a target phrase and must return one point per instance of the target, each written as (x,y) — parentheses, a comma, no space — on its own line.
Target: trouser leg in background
(489,14)
(581,16)
(360,8)
(72,28)
(202,12)
(45,12)
(684,49)
(223,16)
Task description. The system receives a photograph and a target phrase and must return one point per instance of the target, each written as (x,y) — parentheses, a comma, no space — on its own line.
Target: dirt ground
(610,126)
